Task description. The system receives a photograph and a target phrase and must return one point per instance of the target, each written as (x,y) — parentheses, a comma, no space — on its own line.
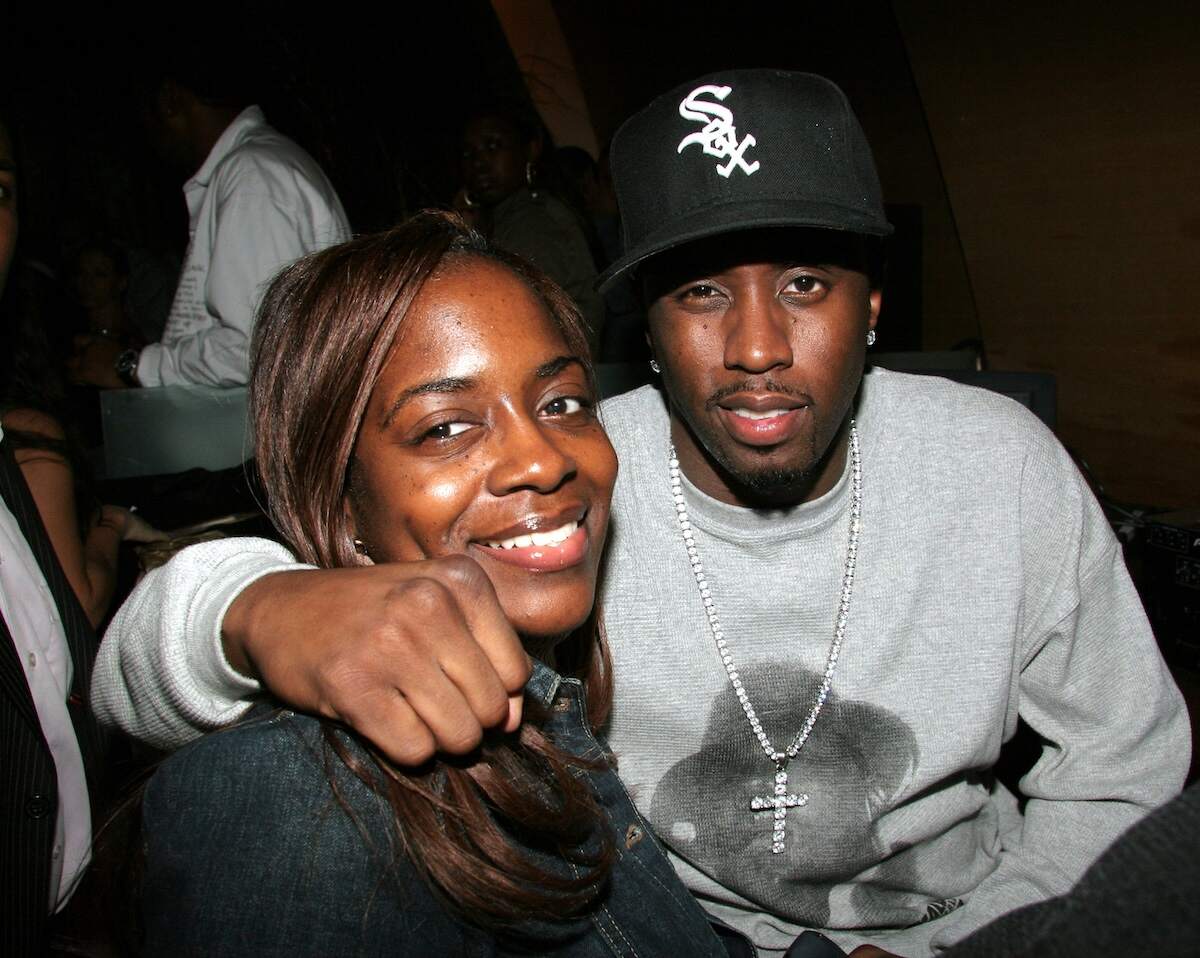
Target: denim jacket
(248,853)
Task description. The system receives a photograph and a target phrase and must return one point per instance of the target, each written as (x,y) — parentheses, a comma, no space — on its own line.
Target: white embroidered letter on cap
(719,136)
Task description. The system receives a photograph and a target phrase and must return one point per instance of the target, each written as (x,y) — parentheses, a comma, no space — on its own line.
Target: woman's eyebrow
(552,367)
(451,384)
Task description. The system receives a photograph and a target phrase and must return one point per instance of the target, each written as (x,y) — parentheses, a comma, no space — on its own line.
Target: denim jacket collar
(543,683)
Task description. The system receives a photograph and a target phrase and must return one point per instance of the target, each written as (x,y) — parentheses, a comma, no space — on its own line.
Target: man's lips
(762,419)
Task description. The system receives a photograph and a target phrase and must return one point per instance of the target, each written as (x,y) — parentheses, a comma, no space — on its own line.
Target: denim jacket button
(633,835)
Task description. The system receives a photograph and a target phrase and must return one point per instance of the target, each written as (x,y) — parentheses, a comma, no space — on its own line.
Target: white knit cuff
(214,678)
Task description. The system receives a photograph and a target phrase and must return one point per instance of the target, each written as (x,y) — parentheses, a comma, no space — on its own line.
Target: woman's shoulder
(274,758)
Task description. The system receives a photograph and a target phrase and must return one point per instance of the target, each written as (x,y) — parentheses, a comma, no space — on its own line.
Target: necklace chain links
(782,800)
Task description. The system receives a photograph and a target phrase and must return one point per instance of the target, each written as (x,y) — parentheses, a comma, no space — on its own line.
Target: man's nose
(759,334)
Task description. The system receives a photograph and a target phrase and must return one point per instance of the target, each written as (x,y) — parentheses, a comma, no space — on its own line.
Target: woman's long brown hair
(325,329)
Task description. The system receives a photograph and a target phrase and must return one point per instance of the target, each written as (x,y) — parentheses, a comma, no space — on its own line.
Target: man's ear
(876,300)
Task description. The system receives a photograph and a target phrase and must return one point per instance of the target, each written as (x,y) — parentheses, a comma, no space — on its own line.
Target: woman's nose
(531,456)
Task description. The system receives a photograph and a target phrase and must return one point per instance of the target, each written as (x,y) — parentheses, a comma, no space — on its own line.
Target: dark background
(1041,161)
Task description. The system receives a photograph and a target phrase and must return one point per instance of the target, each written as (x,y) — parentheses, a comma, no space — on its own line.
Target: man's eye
(805,285)
(699,291)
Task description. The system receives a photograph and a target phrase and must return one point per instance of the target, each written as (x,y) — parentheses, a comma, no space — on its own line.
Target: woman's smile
(540,543)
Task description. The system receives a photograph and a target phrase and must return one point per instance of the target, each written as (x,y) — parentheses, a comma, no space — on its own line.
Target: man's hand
(94,362)
(417,657)
(870,951)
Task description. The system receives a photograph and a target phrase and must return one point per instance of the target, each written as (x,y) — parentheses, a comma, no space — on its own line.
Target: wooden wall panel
(1069,138)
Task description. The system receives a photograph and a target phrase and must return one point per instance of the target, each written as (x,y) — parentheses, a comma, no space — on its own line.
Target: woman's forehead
(474,315)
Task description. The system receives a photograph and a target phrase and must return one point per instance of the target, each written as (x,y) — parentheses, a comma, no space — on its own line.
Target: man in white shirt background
(256,202)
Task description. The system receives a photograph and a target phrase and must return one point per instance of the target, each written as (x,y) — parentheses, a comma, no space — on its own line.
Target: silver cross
(780,803)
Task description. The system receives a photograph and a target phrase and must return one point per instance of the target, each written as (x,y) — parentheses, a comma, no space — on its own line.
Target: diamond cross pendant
(780,803)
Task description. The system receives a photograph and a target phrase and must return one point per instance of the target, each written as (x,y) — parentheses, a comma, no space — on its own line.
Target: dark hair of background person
(218,65)
(341,309)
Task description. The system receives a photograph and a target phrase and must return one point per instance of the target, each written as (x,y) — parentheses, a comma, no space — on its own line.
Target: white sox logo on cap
(719,136)
(806,166)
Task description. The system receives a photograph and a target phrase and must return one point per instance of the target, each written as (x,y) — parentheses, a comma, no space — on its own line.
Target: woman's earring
(870,337)
(359,547)
(529,178)
(655,367)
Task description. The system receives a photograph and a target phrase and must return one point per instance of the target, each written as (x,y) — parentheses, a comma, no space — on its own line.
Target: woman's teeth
(551,537)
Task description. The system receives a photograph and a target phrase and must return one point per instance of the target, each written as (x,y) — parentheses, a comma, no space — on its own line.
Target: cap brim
(738,216)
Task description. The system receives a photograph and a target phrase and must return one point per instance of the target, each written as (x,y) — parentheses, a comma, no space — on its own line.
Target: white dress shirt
(257,203)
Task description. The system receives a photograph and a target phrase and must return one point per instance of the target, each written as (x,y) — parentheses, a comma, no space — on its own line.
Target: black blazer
(28,785)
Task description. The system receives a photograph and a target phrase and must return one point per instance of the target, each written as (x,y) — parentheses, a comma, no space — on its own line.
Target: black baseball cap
(738,150)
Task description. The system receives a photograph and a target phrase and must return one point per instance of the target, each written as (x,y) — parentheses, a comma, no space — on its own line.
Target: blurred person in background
(509,193)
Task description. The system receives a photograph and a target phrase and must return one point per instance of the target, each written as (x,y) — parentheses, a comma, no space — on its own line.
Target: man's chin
(773,483)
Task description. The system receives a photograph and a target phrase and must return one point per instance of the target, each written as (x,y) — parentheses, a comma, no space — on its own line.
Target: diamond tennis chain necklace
(782,800)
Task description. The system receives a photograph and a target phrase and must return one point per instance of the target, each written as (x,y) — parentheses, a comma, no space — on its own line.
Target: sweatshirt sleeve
(1093,685)
(161,675)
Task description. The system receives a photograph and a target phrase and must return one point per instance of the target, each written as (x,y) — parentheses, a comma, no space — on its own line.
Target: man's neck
(209,124)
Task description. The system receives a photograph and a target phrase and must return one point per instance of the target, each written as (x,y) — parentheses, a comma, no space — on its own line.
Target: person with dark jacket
(50,745)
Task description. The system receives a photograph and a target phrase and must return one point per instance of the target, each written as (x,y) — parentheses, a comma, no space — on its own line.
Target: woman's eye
(567,406)
(445,430)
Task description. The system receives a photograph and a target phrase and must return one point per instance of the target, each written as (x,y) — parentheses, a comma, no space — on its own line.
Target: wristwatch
(126,366)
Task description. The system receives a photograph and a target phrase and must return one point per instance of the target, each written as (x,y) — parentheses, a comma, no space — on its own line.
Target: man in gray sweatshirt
(829,597)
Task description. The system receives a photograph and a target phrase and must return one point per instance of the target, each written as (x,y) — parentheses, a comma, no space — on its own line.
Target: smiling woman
(416,395)
(485,407)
